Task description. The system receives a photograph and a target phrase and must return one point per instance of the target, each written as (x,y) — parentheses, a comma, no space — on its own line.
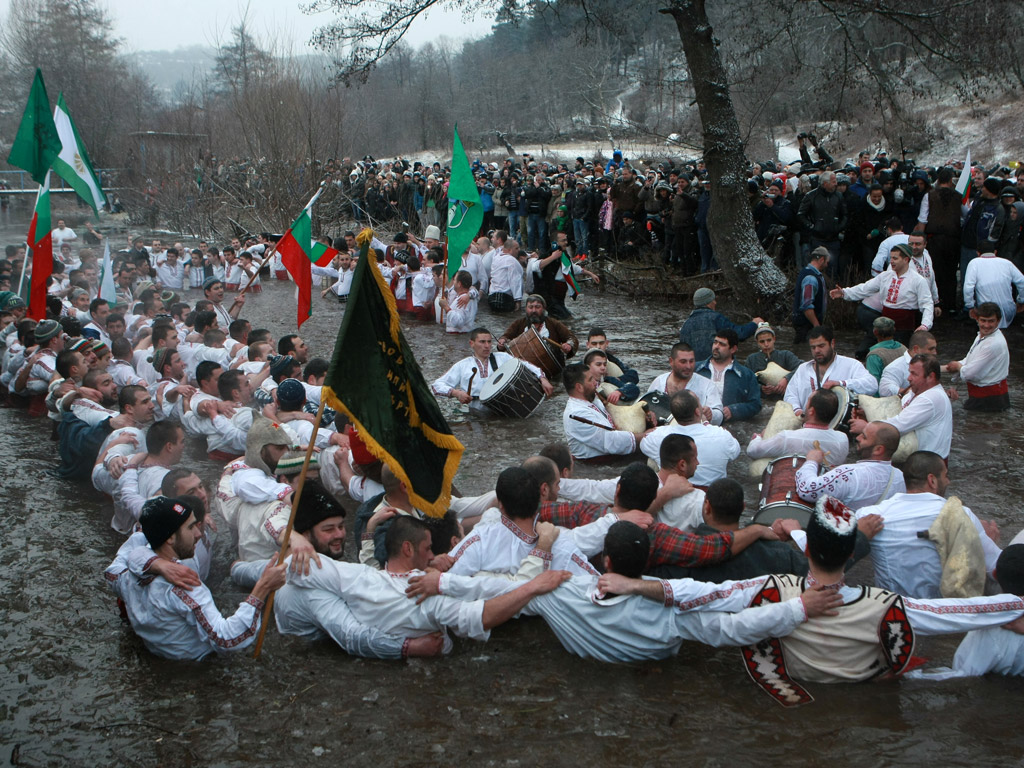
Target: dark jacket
(684,210)
(537,199)
(699,330)
(823,214)
(741,393)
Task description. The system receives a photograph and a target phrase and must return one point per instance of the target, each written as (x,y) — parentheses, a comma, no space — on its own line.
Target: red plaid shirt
(671,546)
(571,514)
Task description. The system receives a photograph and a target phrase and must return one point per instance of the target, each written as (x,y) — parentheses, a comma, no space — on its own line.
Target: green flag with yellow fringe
(375,380)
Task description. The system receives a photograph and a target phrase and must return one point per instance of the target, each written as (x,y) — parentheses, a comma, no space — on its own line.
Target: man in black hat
(318,613)
(180,621)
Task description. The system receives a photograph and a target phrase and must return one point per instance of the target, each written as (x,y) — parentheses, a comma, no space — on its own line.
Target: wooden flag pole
(291,522)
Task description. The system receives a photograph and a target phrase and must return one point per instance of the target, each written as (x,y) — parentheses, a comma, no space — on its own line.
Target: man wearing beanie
(34,376)
(180,622)
(317,614)
(699,329)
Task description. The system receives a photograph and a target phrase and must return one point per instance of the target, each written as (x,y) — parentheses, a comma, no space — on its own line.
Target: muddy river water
(77,688)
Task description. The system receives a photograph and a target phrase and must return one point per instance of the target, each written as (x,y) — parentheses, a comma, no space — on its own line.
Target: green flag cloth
(465,212)
(375,381)
(37,144)
(73,164)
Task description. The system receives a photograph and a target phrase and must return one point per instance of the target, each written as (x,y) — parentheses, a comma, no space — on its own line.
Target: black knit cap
(161,518)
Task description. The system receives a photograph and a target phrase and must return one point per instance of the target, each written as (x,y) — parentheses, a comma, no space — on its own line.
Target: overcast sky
(148,25)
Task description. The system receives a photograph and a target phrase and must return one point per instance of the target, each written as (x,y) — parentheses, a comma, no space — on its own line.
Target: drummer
(870,481)
(819,411)
(464,380)
(546,327)
(767,353)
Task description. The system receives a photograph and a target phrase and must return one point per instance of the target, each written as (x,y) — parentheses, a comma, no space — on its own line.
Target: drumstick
(469,388)
(580,419)
(817,446)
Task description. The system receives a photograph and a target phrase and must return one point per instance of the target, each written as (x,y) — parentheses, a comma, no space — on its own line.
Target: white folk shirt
(506,276)
(881,261)
(849,372)
(134,487)
(317,613)
(501,548)
(223,434)
(990,278)
(987,362)
(981,652)
(799,442)
(101,478)
(343,285)
(587,441)
(255,486)
(895,376)
(930,414)
(424,289)
(176,623)
(124,374)
(626,628)
(457,377)
(905,563)
(171,277)
(474,264)
(91,412)
(377,599)
(923,266)
(461,317)
(709,395)
(856,485)
(716,447)
(906,291)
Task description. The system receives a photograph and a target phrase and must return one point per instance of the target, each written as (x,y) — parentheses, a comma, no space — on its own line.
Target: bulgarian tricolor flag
(40,241)
(963,184)
(569,275)
(73,164)
(299,252)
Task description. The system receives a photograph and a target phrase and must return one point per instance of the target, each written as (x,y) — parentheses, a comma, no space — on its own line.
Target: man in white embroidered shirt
(926,408)
(825,370)
(588,426)
(177,622)
(986,365)
(683,363)
(904,562)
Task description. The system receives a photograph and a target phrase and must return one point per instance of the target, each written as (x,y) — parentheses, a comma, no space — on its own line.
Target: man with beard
(179,622)
(682,362)
(869,481)
(588,426)
(317,613)
(93,400)
(736,384)
(825,370)
(546,327)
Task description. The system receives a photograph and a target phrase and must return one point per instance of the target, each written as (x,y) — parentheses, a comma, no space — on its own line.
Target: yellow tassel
(364,237)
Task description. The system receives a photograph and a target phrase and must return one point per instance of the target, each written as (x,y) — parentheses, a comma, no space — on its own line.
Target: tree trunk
(746,266)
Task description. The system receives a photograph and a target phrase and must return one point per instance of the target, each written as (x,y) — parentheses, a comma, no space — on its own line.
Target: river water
(77,688)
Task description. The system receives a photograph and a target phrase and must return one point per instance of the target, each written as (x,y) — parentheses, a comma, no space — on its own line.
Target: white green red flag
(73,164)
(299,252)
(963,184)
(570,275)
(40,242)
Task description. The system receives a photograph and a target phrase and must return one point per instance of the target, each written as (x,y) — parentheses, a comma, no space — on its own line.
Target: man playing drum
(464,380)
(818,413)
(546,327)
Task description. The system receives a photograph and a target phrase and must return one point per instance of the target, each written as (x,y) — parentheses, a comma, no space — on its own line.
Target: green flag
(375,381)
(73,164)
(37,142)
(465,213)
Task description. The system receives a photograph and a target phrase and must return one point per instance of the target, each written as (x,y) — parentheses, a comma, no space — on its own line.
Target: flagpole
(291,522)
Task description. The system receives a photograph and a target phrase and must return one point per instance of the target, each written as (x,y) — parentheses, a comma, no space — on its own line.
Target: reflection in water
(76,688)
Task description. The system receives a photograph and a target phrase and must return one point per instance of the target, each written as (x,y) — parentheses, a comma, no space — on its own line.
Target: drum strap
(892,473)
(494,362)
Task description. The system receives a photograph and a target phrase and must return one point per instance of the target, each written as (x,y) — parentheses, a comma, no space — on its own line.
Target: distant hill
(165,69)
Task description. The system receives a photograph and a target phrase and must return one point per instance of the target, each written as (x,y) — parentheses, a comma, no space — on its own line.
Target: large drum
(658,404)
(546,355)
(512,390)
(778,493)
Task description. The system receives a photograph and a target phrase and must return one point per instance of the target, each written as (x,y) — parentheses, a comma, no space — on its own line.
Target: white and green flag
(72,164)
(108,290)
